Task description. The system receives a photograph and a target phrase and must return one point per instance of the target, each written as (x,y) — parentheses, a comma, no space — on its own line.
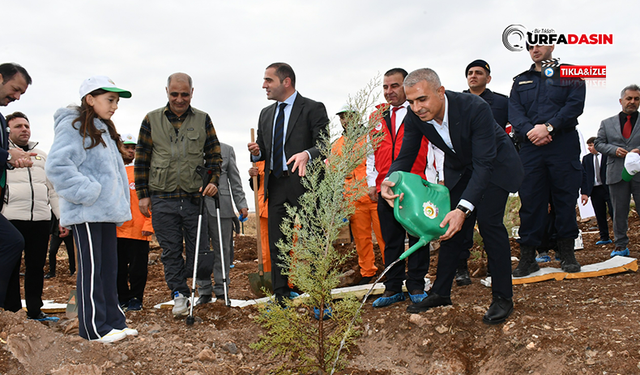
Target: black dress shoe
(462,277)
(432,300)
(204,299)
(499,310)
(49,275)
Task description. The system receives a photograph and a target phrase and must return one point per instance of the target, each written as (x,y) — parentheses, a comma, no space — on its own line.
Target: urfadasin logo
(514,37)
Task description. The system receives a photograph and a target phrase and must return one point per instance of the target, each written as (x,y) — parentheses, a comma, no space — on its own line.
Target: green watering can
(424,206)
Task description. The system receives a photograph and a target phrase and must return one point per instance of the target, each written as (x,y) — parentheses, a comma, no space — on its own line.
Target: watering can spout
(421,242)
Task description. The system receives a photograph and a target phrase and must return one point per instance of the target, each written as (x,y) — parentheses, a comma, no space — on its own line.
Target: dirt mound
(584,326)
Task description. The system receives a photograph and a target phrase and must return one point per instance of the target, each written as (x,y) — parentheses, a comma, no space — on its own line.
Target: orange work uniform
(264,218)
(364,219)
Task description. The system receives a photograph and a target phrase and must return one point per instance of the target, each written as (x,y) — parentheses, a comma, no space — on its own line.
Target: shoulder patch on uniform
(518,75)
(524,82)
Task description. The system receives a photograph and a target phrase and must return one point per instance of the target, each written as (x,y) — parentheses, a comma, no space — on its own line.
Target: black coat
(483,151)
(588,176)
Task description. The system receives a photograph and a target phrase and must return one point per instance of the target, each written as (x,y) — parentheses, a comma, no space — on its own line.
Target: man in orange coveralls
(133,242)
(366,214)
(263,204)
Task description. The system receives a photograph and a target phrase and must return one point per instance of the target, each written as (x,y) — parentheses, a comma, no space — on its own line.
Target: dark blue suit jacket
(308,124)
(483,154)
(4,135)
(588,175)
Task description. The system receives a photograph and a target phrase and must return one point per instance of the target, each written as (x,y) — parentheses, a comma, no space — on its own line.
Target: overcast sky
(335,48)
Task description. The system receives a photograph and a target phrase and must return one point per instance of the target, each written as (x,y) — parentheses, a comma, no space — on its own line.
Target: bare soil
(583,326)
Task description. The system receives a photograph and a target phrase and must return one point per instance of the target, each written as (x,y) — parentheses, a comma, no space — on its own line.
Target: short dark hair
(8,70)
(591,140)
(16,114)
(284,70)
(393,71)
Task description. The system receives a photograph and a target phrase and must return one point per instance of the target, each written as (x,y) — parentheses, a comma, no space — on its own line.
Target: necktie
(278,142)
(393,120)
(597,169)
(626,131)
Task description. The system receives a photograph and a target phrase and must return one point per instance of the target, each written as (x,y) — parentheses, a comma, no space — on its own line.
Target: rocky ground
(583,326)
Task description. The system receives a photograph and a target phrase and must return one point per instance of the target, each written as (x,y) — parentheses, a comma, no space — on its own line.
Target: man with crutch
(174,140)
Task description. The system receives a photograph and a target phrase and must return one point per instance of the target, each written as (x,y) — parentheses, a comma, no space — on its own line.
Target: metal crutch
(206,174)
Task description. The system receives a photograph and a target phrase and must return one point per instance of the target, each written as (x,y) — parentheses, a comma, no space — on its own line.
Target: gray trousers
(175,220)
(621,198)
(210,260)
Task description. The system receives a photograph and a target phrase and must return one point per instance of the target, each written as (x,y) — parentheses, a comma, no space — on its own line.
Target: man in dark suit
(288,135)
(594,186)
(480,172)
(14,81)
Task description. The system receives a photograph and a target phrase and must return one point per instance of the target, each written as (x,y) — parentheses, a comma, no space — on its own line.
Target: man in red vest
(391,122)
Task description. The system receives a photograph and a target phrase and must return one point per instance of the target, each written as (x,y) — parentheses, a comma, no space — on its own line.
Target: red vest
(389,147)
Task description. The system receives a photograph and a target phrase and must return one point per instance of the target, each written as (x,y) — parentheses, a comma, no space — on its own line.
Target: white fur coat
(93,182)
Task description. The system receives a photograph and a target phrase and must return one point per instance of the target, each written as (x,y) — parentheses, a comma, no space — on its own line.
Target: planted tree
(305,343)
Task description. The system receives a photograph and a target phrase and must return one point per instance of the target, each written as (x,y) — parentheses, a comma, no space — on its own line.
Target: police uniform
(499,104)
(553,168)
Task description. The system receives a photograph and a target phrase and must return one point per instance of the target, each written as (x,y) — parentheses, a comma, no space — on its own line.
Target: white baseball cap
(345,108)
(101,82)
(631,166)
(129,139)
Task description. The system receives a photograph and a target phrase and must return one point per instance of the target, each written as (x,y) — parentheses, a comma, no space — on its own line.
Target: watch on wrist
(9,165)
(549,127)
(465,210)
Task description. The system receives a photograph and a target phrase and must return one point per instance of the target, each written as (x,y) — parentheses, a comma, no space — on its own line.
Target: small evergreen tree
(306,344)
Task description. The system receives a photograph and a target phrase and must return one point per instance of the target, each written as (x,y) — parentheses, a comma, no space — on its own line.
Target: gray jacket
(609,139)
(230,185)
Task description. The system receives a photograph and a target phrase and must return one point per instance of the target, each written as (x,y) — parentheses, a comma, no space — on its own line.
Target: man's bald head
(180,77)
(179,92)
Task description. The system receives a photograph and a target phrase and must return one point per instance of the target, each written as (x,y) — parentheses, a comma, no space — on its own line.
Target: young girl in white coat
(88,174)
